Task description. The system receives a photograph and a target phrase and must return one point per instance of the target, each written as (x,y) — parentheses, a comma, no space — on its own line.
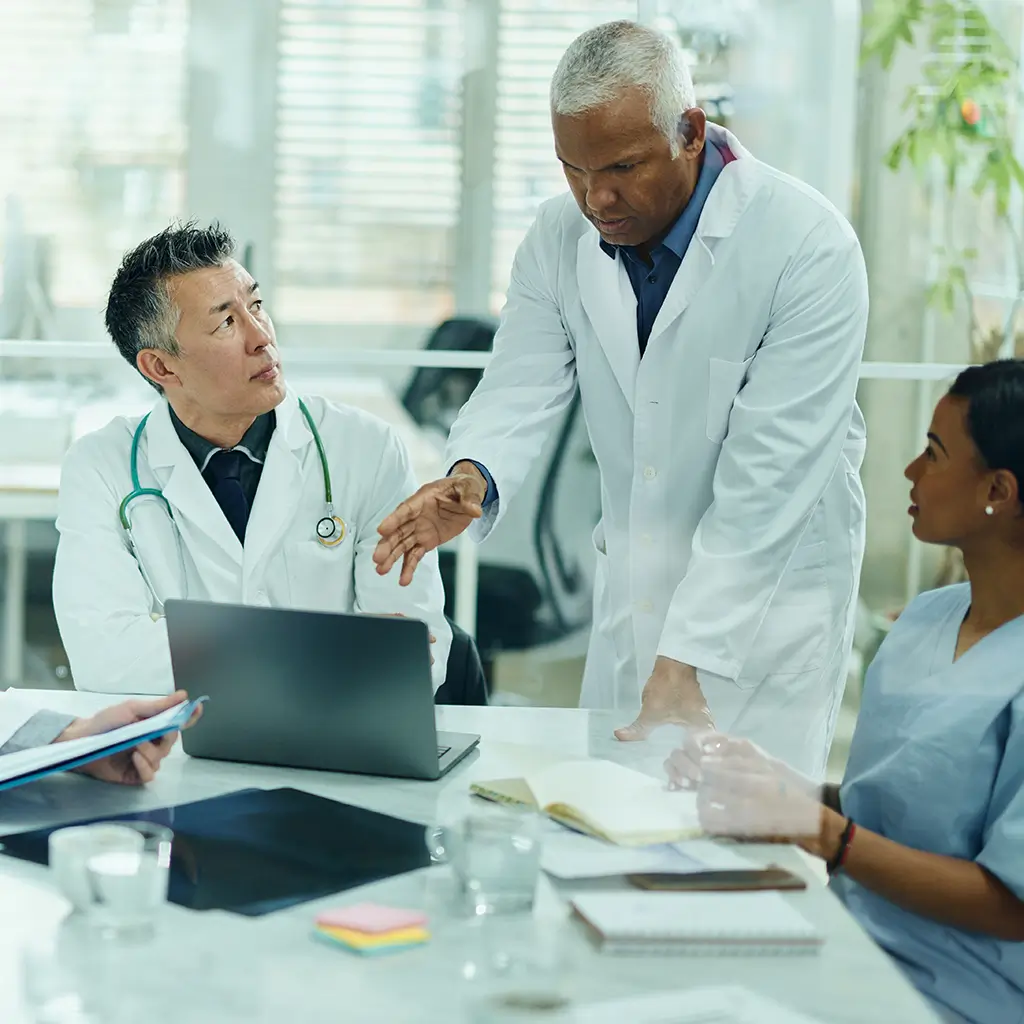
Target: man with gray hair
(712,312)
(232,488)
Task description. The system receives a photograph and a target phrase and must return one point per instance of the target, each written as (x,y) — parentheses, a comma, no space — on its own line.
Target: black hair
(995,414)
(139,312)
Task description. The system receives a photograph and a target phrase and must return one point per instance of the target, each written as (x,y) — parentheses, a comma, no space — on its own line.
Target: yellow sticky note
(361,940)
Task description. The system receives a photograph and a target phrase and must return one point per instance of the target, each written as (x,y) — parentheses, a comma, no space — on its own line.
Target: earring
(989,510)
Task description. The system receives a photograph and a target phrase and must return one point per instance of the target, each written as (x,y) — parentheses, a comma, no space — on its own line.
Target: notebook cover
(674,923)
(505,791)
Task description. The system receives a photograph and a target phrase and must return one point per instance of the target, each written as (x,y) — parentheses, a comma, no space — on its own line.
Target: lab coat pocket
(725,379)
(320,578)
(612,621)
(799,630)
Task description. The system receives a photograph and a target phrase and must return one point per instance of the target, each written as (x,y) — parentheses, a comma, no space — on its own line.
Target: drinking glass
(71,848)
(127,886)
(494,853)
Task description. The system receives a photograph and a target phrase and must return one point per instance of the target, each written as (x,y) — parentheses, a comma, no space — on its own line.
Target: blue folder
(179,720)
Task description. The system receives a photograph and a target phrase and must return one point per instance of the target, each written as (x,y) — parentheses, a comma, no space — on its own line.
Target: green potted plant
(960,131)
(960,123)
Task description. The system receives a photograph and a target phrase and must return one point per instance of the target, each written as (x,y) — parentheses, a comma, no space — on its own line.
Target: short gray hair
(604,60)
(140,313)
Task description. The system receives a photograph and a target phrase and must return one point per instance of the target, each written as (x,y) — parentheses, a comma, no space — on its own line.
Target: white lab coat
(108,620)
(732,525)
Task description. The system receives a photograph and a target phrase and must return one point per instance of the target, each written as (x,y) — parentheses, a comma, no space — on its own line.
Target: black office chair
(465,682)
(435,394)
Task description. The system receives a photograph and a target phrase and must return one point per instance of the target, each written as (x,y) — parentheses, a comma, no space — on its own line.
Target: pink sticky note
(371,918)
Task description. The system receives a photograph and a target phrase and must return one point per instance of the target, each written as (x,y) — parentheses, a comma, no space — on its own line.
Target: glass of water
(494,853)
(518,969)
(71,848)
(127,886)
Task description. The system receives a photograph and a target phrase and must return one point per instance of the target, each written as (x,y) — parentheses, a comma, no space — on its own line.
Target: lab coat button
(261,598)
(650,472)
(645,606)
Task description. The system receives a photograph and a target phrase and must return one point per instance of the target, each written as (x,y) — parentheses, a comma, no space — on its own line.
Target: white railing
(408,358)
(466,561)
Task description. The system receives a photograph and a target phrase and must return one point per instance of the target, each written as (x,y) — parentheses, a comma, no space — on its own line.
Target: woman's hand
(745,793)
(684,765)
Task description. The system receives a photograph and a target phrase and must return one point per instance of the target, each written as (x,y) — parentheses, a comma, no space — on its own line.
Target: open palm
(435,514)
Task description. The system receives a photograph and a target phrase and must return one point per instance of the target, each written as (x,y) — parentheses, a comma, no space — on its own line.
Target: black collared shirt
(254,445)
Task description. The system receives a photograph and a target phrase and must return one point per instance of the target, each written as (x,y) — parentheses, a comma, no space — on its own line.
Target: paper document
(27,765)
(718,1005)
(570,855)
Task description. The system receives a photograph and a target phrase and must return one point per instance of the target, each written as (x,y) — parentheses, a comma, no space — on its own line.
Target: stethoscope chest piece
(330,531)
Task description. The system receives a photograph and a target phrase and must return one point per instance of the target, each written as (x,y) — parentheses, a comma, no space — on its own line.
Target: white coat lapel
(183,485)
(698,262)
(735,188)
(280,489)
(610,305)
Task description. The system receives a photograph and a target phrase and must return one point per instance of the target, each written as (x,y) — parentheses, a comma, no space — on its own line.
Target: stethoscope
(330,529)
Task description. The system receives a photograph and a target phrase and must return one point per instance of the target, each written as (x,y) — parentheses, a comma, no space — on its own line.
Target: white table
(217,967)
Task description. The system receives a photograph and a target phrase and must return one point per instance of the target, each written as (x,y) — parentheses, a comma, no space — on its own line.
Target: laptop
(332,692)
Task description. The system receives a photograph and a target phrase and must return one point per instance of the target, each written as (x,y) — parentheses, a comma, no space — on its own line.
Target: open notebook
(703,923)
(27,765)
(604,800)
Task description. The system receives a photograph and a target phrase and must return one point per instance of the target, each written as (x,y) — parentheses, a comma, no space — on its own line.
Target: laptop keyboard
(441,751)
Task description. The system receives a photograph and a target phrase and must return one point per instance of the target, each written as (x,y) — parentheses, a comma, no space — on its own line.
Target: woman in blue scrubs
(925,838)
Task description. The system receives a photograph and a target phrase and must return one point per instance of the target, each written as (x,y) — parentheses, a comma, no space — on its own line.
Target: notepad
(603,799)
(696,923)
(370,929)
(371,918)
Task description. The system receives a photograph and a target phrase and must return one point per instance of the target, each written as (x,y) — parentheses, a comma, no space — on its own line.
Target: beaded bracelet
(845,840)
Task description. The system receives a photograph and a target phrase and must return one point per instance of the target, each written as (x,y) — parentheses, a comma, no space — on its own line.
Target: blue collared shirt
(651,283)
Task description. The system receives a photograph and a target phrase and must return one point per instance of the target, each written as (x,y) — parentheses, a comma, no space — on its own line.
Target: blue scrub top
(937,763)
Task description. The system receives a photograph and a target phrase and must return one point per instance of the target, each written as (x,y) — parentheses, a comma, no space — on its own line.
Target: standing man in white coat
(233,488)
(712,312)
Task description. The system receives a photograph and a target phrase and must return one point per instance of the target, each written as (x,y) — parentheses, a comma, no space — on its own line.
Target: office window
(533,36)
(368,160)
(92,122)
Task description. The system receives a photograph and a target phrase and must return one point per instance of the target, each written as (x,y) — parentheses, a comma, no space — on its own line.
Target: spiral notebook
(754,923)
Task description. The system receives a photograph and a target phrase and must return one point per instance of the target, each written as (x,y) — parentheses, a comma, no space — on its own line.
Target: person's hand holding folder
(138,765)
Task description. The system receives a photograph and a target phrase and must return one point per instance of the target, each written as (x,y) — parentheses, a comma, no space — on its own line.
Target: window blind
(533,36)
(367,158)
(92,122)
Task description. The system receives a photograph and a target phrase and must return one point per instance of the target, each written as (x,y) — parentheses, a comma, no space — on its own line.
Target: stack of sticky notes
(370,929)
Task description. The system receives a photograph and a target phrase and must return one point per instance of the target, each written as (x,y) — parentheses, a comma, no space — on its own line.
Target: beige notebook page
(622,804)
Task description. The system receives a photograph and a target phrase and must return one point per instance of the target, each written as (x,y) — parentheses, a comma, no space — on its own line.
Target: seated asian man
(233,488)
(22,727)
